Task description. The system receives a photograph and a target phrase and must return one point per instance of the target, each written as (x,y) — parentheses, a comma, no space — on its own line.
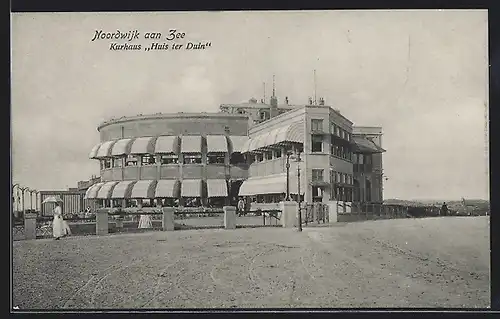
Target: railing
(314,213)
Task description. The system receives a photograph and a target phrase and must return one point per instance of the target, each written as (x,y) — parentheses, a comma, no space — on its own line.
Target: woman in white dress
(58,223)
(60,227)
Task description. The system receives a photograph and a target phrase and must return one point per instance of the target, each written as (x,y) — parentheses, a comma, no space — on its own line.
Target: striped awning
(166,144)
(122,189)
(191,144)
(121,147)
(143,189)
(272,184)
(105,149)
(106,190)
(238,143)
(93,152)
(167,188)
(216,188)
(91,192)
(143,145)
(293,132)
(191,188)
(216,143)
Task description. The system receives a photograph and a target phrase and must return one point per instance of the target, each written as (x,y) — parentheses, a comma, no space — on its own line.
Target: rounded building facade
(185,159)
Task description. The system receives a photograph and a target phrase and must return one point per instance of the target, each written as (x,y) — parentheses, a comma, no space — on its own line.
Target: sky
(421,75)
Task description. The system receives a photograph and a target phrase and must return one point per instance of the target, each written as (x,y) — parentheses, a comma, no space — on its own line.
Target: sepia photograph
(254,160)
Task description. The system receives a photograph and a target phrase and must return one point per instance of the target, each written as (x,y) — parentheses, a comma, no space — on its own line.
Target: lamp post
(23,189)
(287,198)
(298,159)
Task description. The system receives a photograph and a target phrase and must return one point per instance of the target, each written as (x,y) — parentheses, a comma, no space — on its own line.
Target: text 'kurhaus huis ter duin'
(173,40)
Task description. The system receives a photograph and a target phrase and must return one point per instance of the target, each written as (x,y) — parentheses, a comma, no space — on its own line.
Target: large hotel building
(212,159)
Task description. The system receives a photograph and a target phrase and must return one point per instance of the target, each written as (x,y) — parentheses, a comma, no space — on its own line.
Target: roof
(364,145)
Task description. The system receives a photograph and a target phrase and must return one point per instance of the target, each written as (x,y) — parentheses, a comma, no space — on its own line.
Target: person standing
(57,223)
(444,210)
(241,207)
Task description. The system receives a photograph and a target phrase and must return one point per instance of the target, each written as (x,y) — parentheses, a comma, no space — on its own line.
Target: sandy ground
(431,262)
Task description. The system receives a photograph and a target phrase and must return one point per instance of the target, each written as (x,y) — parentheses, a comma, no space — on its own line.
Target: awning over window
(293,132)
(191,188)
(167,188)
(238,143)
(121,147)
(191,144)
(105,149)
(216,188)
(91,192)
(143,189)
(364,145)
(166,144)
(105,190)
(122,189)
(93,152)
(143,145)
(216,143)
(272,184)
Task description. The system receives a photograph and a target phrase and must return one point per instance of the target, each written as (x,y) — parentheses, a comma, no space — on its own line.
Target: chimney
(321,101)
(286,100)
(310,101)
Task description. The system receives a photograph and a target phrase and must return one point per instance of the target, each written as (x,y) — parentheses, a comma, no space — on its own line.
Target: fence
(129,220)
(316,212)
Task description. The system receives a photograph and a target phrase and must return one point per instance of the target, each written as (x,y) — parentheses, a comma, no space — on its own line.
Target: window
(316,191)
(118,162)
(317,143)
(337,177)
(317,174)
(216,158)
(269,155)
(131,160)
(264,115)
(332,128)
(169,159)
(337,130)
(147,202)
(317,125)
(102,164)
(368,191)
(368,159)
(278,153)
(259,157)
(148,160)
(332,176)
(107,163)
(348,136)
(192,158)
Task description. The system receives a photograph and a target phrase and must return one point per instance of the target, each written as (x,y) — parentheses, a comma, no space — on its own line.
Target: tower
(274,101)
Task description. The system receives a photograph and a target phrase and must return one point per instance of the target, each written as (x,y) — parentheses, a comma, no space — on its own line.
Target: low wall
(82,229)
(361,217)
